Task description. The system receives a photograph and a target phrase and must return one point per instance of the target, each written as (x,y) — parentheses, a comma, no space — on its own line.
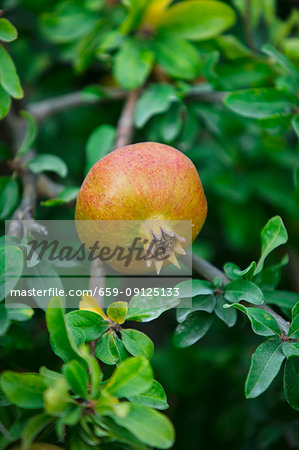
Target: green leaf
(199,303)
(273,235)
(238,290)
(5,103)
(262,103)
(294,328)
(100,142)
(33,427)
(265,365)
(270,277)
(179,58)
(280,58)
(154,397)
(30,133)
(192,288)
(23,389)
(197,20)
(4,319)
(132,377)
(231,47)
(295,123)
(47,162)
(146,308)
(110,349)
(76,377)
(19,312)
(9,196)
(61,341)
(283,299)
(148,425)
(68,22)
(262,322)
(8,32)
(67,195)
(117,312)
(154,100)
(8,75)
(234,272)
(192,329)
(137,343)
(227,315)
(290,382)
(132,64)
(92,324)
(11,268)
(290,349)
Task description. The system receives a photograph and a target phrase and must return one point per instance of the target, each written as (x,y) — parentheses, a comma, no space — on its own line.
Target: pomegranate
(153,185)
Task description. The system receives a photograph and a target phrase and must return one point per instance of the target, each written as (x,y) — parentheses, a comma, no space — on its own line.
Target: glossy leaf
(117,312)
(48,163)
(262,103)
(137,343)
(61,341)
(8,75)
(92,324)
(30,133)
(177,57)
(5,103)
(132,64)
(238,290)
(23,389)
(192,329)
(100,142)
(9,196)
(291,385)
(199,303)
(227,315)
(154,397)
(148,425)
(132,377)
(8,32)
(295,123)
(154,100)
(76,376)
(273,235)
(265,365)
(197,20)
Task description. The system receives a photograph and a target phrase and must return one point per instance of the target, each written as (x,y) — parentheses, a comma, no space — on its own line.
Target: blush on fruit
(150,183)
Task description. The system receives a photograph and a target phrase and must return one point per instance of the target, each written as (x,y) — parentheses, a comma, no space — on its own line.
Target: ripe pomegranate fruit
(152,184)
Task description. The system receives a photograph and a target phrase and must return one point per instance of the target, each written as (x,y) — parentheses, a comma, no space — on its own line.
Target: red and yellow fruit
(150,183)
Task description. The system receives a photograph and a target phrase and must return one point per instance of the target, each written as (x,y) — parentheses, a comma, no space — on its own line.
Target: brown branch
(126,121)
(210,272)
(46,108)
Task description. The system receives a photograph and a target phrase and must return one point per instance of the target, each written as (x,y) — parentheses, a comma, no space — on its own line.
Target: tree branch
(210,272)
(126,121)
(46,108)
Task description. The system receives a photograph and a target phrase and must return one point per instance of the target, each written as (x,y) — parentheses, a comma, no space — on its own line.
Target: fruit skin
(142,182)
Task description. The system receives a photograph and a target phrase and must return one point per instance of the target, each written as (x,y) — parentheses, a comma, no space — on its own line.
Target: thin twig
(126,121)
(210,272)
(46,108)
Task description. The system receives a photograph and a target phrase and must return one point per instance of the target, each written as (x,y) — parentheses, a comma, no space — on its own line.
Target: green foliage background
(227,96)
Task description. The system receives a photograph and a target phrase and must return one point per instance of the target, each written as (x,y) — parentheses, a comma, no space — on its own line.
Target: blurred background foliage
(248,167)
